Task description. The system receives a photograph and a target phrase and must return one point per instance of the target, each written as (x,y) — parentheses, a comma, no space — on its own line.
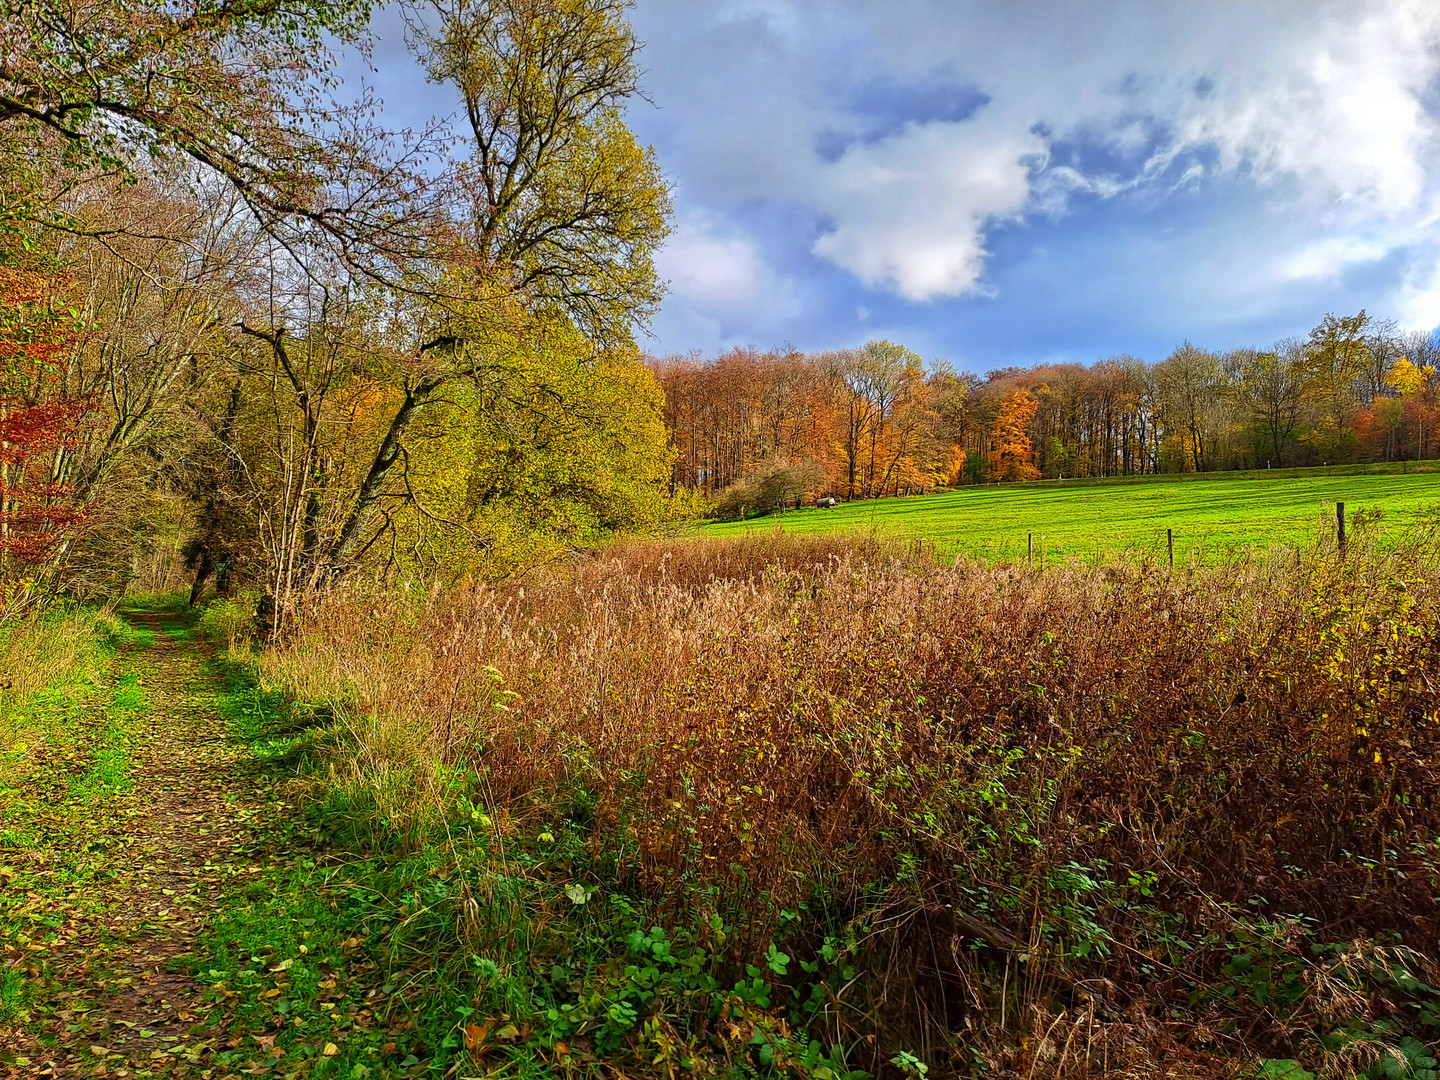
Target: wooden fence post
(1030,547)
(1170,546)
(1340,522)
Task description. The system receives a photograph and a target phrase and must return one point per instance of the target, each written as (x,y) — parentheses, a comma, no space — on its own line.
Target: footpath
(128,830)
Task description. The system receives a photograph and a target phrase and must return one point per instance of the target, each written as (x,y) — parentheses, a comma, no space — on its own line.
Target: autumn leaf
(475,1036)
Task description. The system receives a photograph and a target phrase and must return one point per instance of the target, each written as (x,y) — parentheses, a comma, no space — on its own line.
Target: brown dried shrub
(927,750)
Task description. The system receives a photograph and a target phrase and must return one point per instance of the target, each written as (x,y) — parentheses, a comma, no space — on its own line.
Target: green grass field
(1212,518)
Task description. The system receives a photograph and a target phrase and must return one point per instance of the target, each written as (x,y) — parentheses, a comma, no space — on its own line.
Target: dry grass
(44,651)
(1042,802)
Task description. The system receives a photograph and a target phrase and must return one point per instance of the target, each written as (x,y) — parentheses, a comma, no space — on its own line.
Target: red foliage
(39,422)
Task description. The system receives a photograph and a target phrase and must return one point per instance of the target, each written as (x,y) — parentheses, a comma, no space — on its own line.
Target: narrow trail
(135,885)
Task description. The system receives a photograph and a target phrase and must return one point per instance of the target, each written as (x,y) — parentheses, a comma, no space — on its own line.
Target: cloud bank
(828,151)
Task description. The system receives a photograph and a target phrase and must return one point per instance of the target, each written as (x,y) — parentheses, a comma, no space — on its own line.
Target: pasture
(1214,517)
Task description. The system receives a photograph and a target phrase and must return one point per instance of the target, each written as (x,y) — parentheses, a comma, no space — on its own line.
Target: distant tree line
(877,421)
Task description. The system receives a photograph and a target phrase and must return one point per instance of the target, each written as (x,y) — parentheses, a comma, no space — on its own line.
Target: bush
(231,621)
(773,488)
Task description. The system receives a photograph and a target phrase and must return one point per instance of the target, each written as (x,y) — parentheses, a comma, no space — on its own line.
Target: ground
(1211,517)
(144,851)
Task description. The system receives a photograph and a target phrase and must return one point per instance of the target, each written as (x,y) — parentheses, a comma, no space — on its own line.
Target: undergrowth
(42,656)
(784,807)
(64,736)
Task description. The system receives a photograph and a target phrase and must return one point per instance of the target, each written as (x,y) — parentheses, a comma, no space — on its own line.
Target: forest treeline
(875,421)
(246,328)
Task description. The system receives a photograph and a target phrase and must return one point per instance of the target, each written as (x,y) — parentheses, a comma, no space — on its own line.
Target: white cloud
(719,278)
(1337,106)
(1322,105)
(1330,257)
(909,210)
(717,270)
(1419,302)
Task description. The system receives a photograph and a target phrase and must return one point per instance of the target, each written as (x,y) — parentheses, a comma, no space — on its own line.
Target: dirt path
(132,878)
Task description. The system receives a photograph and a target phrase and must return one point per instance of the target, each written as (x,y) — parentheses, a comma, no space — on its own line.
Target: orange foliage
(728,416)
(1011,456)
(955,467)
(732,416)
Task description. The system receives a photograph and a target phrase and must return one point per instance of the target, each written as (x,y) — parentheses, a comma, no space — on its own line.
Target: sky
(1017,181)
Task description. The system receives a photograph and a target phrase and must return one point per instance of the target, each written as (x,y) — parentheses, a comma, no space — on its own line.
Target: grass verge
(55,836)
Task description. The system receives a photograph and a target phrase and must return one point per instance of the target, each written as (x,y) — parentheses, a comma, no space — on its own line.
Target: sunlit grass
(1211,519)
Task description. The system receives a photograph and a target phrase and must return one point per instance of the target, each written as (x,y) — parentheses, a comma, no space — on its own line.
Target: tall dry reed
(1106,774)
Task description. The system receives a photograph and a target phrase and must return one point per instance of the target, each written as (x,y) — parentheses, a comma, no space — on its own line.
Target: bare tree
(1384,344)
(1271,387)
(1191,383)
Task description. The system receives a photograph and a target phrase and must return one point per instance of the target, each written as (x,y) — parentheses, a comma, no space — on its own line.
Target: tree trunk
(346,547)
(202,573)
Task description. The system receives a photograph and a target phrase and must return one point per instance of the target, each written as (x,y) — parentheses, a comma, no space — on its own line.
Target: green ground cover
(168,909)
(1212,518)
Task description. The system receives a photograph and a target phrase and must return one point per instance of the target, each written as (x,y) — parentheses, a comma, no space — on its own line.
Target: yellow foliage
(1406,378)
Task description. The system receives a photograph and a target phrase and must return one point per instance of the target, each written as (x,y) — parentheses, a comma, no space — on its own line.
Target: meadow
(785,806)
(1214,517)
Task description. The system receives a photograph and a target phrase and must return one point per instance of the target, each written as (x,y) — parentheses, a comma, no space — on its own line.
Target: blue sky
(1015,181)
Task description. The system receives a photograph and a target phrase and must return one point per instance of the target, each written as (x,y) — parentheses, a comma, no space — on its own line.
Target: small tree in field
(39,423)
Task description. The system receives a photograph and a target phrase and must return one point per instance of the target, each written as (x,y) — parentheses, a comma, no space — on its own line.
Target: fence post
(1170,546)
(1340,521)
(1030,547)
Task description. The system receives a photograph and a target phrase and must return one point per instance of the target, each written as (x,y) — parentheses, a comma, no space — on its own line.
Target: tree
(561,200)
(949,394)
(1423,350)
(1191,385)
(773,487)
(869,382)
(1409,381)
(1272,387)
(885,371)
(39,424)
(1336,355)
(238,88)
(157,310)
(848,381)
(1011,456)
(564,210)
(326,355)
(555,447)
(1384,345)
